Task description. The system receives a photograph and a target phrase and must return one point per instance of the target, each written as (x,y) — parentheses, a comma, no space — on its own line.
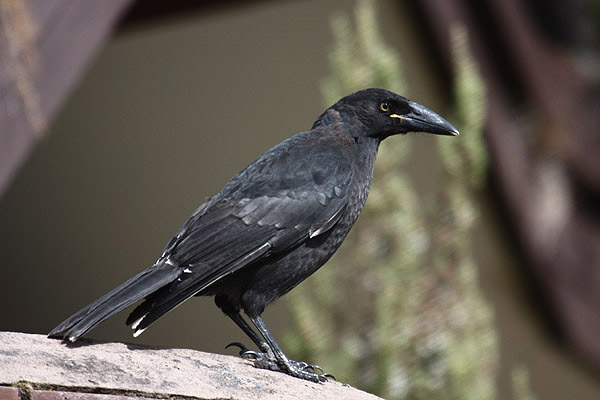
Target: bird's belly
(278,275)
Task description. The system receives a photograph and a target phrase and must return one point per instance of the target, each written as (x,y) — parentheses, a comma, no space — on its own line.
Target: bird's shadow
(85,342)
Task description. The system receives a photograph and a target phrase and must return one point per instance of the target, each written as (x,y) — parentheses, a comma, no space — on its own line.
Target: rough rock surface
(38,365)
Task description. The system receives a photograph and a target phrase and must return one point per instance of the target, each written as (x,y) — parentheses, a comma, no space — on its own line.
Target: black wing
(295,191)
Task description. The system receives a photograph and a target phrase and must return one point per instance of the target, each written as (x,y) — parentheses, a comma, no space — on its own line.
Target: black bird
(273,225)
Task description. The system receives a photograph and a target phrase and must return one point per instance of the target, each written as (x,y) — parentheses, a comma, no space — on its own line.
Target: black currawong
(273,225)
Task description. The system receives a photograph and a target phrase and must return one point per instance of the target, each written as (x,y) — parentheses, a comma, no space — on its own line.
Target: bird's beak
(422,119)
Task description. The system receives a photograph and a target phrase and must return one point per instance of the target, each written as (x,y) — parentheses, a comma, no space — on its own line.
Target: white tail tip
(138,333)
(136,323)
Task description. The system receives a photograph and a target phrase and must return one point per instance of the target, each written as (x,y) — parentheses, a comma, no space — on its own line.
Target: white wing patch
(316,231)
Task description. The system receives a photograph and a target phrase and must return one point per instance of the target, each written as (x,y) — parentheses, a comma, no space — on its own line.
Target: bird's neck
(367,150)
(365,154)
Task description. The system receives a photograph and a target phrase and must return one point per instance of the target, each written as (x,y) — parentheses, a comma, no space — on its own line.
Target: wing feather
(291,194)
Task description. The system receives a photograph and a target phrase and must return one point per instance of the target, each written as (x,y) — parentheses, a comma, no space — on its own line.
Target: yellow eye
(385,107)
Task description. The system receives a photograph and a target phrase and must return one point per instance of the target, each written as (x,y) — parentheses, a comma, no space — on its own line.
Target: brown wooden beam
(44,49)
(544,144)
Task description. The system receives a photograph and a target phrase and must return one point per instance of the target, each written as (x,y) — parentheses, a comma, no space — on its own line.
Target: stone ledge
(42,368)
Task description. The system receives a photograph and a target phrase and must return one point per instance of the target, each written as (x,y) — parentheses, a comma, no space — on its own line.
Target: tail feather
(143,284)
(170,297)
(155,311)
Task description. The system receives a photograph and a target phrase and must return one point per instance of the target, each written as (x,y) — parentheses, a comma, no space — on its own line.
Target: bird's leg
(291,367)
(244,351)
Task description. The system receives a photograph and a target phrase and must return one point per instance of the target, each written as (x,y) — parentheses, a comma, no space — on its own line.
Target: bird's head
(379,113)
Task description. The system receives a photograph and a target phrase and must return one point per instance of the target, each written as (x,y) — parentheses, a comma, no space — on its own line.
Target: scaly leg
(294,368)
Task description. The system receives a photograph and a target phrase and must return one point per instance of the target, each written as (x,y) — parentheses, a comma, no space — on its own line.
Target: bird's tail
(133,290)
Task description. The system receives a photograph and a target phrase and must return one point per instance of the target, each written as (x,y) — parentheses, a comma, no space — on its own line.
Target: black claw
(310,368)
(314,368)
(245,352)
(241,346)
(251,355)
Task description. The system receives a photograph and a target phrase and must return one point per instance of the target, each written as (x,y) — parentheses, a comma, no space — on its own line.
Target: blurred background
(474,271)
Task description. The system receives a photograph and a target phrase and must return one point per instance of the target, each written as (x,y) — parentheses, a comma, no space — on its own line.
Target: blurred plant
(520,383)
(398,311)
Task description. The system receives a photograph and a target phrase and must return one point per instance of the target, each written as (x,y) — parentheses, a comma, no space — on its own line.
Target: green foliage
(466,158)
(398,310)
(520,383)
(360,58)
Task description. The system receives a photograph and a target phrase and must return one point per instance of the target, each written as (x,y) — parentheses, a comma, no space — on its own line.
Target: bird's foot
(311,372)
(263,360)
(298,369)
